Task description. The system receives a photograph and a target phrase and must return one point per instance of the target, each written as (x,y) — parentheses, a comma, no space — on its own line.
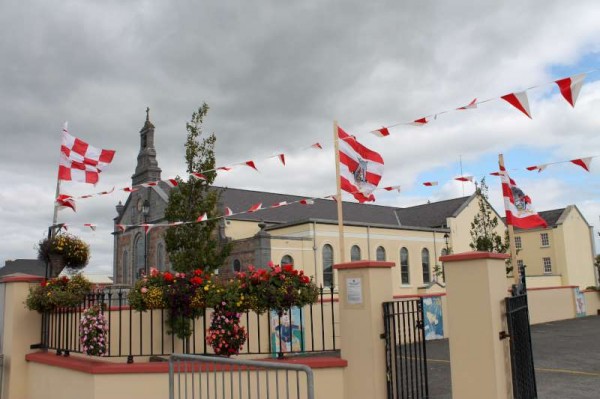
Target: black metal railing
(406,355)
(132,333)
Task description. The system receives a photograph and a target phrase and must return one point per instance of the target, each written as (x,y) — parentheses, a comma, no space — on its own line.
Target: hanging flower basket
(64,250)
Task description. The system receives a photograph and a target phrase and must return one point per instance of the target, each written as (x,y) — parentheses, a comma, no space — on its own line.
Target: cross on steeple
(148,114)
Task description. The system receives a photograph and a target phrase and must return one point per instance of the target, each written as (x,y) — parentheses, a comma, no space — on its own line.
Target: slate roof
(551,217)
(432,215)
(25,266)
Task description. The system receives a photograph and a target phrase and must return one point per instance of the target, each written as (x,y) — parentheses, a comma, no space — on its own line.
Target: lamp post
(446,236)
(145,212)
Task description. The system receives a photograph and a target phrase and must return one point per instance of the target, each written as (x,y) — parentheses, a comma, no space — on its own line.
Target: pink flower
(144,290)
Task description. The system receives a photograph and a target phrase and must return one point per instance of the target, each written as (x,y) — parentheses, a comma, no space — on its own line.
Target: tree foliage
(484,235)
(597,266)
(196,245)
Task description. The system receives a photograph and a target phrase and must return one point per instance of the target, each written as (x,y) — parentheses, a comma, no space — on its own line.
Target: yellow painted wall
(592,303)
(551,304)
(238,229)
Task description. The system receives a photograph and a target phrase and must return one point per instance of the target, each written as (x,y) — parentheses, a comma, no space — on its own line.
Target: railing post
(363,287)
(475,292)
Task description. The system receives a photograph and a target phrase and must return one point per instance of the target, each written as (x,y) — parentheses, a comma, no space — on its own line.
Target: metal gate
(521,353)
(406,356)
(196,376)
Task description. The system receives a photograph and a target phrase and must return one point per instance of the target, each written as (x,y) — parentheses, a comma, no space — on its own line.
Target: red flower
(288,268)
(196,280)
(168,277)
(198,272)
(44,283)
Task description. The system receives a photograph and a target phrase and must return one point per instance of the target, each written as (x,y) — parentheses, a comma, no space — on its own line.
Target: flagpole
(338,180)
(511,233)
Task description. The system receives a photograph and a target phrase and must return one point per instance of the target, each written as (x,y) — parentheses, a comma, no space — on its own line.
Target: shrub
(58,292)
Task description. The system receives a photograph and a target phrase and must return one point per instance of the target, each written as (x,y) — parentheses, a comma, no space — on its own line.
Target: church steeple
(147,169)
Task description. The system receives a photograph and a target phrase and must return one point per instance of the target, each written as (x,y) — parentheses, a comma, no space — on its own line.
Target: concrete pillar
(475,292)
(363,287)
(22,328)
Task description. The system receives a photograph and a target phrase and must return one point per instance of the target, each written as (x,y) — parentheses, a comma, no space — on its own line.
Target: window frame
(327,265)
(378,252)
(239,265)
(545,237)
(426,266)
(518,242)
(404,267)
(353,250)
(547,263)
(281,262)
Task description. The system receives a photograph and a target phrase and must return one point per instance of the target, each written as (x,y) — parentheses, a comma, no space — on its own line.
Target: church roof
(431,215)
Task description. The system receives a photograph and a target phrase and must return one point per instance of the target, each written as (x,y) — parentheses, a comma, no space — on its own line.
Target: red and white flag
(228,211)
(420,122)
(391,188)
(430,183)
(92,226)
(583,162)
(198,176)
(519,211)
(147,227)
(539,168)
(282,158)
(251,164)
(66,201)
(570,87)
(278,204)
(121,227)
(360,168)
(519,101)
(171,183)
(80,161)
(307,201)
(317,146)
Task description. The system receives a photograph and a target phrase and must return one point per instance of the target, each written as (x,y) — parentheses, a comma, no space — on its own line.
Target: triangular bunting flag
(307,201)
(255,207)
(419,122)
(390,188)
(202,217)
(147,227)
(570,87)
(121,227)
(199,176)
(519,101)
(228,211)
(583,162)
(539,168)
(464,178)
(282,158)
(430,183)
(471,105)
(91,226)
(171,183)
(251,164)
(383,132)
(225,168)
(129,189)
(277,205)
(317,146)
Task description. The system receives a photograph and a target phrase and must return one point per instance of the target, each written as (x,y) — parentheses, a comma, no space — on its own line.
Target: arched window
(425,265)
(380,253)
(327,265)
(287,260)
(160,257)
(138,256)
(237,265)
(404,271)
(354,253)
(126,269)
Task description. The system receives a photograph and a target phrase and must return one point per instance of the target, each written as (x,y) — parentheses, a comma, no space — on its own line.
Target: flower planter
(56,264)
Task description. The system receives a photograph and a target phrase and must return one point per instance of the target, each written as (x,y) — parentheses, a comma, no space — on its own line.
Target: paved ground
(566,357)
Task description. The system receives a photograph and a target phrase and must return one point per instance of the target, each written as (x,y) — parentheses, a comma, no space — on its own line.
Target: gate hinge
(504,335)
(383,336)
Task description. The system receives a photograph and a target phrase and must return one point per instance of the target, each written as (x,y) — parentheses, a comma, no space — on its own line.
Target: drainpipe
(317,276)
(369,242)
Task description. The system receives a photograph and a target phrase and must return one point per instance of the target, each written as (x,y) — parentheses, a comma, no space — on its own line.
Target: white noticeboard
(354,291)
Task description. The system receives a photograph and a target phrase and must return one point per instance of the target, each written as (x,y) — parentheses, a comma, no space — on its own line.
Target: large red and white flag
(519,211)
(81,162)
(570,87)
(360,168)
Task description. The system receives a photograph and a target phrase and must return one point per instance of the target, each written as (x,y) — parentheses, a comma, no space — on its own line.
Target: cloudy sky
(276,74)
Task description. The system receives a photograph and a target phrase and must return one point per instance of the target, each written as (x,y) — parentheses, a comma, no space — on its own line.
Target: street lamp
(145,212)
(446,236)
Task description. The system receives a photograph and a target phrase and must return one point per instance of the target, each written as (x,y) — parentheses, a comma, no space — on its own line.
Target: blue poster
(287,331)
(434,318)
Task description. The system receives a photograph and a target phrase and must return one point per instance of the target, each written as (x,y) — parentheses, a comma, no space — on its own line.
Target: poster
(579,302)
(287,332)
(434,319)
(354,291)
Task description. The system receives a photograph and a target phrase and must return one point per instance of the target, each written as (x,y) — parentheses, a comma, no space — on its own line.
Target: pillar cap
(363,264)
(473,256)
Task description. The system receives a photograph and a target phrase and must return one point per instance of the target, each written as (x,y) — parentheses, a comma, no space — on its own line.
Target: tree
(483,227)
(196,245)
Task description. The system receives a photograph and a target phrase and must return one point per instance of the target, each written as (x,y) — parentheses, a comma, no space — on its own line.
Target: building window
(518,244)
(327,265)
(404,272)
(545,240)
(160,257)
(547,266)
(126,268)
(138,256)
(355,253)
(425,264)
(237,265)
(380,253)
(287,260)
